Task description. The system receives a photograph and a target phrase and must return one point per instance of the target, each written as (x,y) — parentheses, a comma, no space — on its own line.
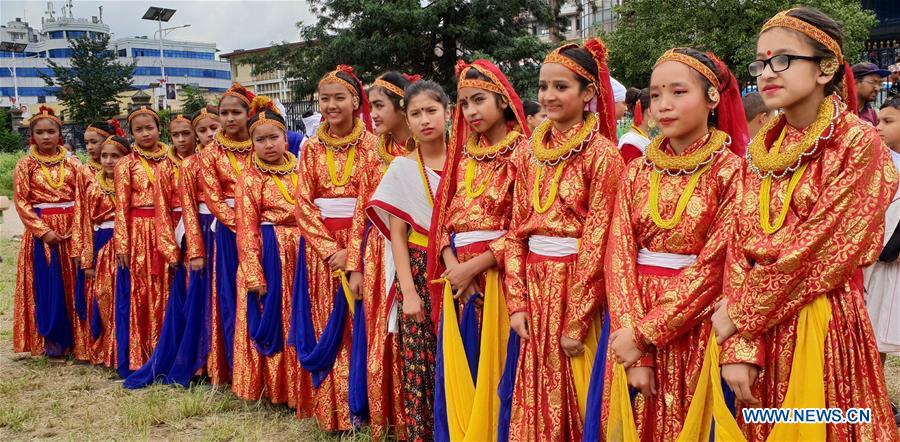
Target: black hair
(830,27)
(754,105)
(531,107)
(397,79)
(508,113)
(270,115)
(210,109)
(707,61)
(349,79)
(633,95)
(891,102)
(584,59)
(123,141)
(104,126)
(432,89)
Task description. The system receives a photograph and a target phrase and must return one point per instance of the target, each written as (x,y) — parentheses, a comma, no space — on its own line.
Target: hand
(412,307)
(519,323)
(173,265)
(464,294)
(623,344)
(197,264)
(642,379)
(460,276)
(122,259)
(356,280)
(740,377)
(259,290)
(571,347)
(52,238)
(76,262)
(89,273)
(338,261)
(722,323)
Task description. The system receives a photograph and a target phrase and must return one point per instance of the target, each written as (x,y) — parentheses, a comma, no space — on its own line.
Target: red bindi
(768,52)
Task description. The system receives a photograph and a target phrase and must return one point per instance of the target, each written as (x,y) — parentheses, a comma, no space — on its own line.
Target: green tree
(89,88)
(193,101)
(728,28)
(375,36)
(10,141)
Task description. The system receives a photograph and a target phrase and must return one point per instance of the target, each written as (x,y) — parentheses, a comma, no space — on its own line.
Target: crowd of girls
(526,275)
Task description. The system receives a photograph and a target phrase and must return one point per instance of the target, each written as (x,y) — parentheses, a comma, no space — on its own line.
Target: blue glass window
(57,35)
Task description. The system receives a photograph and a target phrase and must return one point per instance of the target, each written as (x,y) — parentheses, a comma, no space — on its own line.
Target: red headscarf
(460,132)
(356,89)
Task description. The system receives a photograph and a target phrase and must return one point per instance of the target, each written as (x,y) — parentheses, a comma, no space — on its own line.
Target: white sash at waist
(105,225)
(552,246)
(230,202)
(203,209)
(60,205)
(665,260)
(462,239)
(177,209)
(336,207)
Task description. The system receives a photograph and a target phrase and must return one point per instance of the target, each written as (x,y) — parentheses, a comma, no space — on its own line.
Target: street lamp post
(15,48)
(160,15)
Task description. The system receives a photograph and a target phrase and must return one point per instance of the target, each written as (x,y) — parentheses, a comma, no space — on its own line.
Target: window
(77,34)
(33,72)
(188,54)
(141,52)
(198,73)
(56,35)
(29,91)
(148,71)
(123,52)
(61,53)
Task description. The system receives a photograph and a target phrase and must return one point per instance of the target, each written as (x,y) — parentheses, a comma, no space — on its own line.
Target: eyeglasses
(873,83)
(778,63)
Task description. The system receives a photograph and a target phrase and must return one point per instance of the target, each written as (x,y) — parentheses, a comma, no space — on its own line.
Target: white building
(24,52)
(581,19)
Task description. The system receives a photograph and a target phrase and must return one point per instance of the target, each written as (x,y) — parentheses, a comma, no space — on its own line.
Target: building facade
(274,84)
(582,19)
(24,52)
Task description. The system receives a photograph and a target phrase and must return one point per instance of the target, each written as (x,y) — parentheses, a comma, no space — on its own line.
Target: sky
(217,21)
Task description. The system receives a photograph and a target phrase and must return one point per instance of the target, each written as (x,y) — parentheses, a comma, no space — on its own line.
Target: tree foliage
(728,28)
(10,141)
(375,36)
(88,89)
(193,101)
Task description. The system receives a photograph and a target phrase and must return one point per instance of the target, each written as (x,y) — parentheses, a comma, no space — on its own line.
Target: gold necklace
(554,188)
(776,162)
(765,194)
(161,151)
(231,145)
(476,151)
(45,161)
(94,165)
(471,168)
(553,156)
(348,167)
(343,143)
(715,142)
(176,161)
(290,163)
(425,181)
(105,185)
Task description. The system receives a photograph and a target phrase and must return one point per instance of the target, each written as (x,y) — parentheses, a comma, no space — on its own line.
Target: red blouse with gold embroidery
(583,209)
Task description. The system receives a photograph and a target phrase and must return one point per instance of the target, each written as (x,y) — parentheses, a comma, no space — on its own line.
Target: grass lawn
(40,399)
(74,401)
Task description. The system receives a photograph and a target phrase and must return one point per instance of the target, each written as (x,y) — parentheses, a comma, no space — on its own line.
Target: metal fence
(294,112)
(72,134)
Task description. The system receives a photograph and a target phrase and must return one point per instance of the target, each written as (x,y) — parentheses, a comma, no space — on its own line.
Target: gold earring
(651,123)
(713,94)
(829,66)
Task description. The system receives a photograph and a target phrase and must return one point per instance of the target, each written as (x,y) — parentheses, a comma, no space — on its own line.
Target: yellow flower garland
(765,195)
(554,189)
(773,162)
(669,224)
(144,155)
(383,142)
(284,192)
(552,156)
